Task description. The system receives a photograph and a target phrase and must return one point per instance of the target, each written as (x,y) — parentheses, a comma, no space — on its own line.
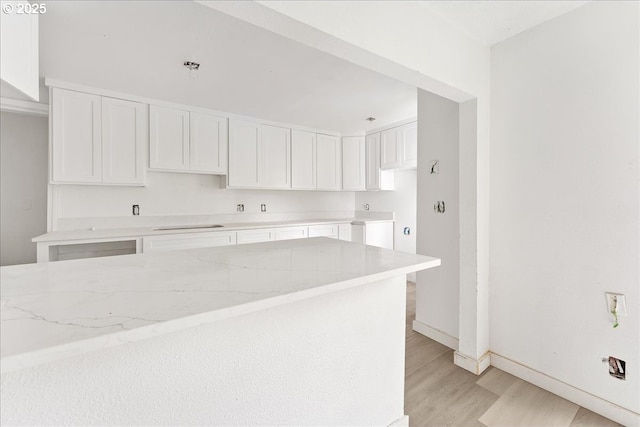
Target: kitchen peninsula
(306,331)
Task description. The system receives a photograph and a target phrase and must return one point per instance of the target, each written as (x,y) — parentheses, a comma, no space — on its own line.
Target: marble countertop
(54,310)
(115,233)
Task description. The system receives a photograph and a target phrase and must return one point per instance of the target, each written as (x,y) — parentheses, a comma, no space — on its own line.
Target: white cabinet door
(325,230)
(328,162)
(379,234)
(276,157)
(208,141)
(389,152)
(169,138)
(409,146)
(288,233)
(353,163)
(372,149)
(344,232)
(303,160)
(376,179)
(76,137)
(125,127)
(256,236)
(244,153)
(173,242)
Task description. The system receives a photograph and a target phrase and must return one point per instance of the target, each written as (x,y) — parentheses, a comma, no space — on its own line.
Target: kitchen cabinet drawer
(170,242)
(288,233)
(328,230)
(256,236)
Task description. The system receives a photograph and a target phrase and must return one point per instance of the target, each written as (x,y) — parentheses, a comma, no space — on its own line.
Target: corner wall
(565,197)
(438,289)
(23,185)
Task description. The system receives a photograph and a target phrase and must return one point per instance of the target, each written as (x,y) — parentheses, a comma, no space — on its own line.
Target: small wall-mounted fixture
(366,206)
(240,207)
(371,119)
(135,210)
(439,207)
(434,169)
(263,208)
(193,68)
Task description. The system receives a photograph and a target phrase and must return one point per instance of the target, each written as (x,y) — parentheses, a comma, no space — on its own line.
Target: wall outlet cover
(617,301)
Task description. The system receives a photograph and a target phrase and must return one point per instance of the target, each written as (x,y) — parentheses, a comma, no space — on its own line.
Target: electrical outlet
(406,231)
(240,208)
(616,302)
(263,208)
(135,210)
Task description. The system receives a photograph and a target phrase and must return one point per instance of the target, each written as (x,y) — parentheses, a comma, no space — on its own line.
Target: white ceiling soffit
(490,22)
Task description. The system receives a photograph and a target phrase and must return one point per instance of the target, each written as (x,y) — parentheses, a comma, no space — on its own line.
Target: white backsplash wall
(189,194)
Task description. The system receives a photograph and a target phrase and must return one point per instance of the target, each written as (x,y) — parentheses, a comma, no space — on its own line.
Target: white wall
(565,198)
(438,290)
(190,194)
(23,185)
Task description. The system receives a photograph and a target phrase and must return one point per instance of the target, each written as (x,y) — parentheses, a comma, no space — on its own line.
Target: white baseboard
(403,421)
(475,366)
(587,400)
(436,335)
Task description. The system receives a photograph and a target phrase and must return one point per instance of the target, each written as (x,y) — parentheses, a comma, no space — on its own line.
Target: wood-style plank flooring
(438,393)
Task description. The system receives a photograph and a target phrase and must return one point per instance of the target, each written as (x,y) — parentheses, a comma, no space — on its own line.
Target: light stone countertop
(114,233)
(50,311)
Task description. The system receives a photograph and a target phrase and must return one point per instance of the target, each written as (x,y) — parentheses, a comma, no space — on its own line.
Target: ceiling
(490,22)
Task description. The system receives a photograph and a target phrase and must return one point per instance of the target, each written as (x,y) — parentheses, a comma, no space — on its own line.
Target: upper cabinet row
(273,157)
(103,140)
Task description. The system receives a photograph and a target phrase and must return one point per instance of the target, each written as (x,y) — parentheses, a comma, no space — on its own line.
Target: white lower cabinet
(324,230)
(289,233)
(171,242)
(344,232)
(256,236)
(378,234)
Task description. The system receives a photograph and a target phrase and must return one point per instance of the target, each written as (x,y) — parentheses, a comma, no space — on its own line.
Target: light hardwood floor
(438,393)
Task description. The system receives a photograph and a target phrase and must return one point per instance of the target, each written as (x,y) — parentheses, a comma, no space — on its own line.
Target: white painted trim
(475,366)
(436,335)
(403,421)
(145,100)
(10,105)
(392,125)
(579,397)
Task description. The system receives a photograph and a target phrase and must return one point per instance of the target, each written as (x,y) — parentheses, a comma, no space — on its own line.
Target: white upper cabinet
(376,179)
(303,160)
(399,147)
(125,127)
(97,140)
(276,157)
(76,123)
(187,141)
(259,155)
(169,138)
(19,46)
(353,163)
(244,153)
(389,150)
(328,162)
(409,147)
(208,137)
